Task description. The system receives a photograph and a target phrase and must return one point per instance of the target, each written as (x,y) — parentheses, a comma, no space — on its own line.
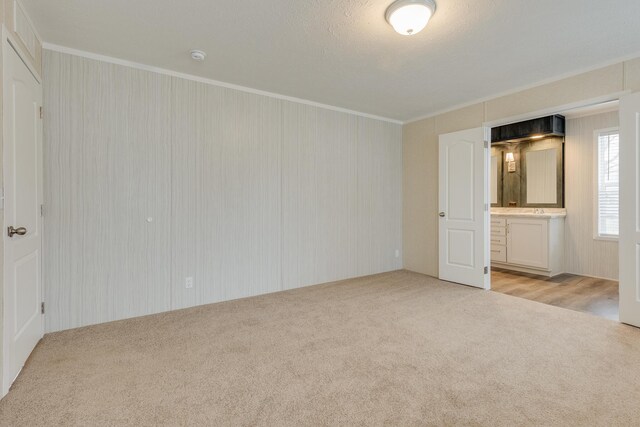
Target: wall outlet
(188,282)
(397,253)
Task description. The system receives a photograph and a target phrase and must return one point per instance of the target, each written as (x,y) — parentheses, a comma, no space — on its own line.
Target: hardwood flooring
(579,293)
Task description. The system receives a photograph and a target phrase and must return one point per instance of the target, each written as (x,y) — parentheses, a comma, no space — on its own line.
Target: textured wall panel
(152,179)
(319,182)
(126,181)
(584,254)
(379,196)
(63,190)
(226,182)
(107,192)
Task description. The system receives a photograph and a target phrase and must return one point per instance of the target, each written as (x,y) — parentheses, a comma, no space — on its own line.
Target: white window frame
(596,185)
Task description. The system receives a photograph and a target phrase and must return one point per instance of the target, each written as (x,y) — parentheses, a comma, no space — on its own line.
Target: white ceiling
(343,53)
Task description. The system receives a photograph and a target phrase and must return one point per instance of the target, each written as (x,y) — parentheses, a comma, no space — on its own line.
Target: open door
(22,232)
(629,242)
(464,208)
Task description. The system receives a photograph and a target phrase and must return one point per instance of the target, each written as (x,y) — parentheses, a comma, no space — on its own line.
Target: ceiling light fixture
(409,17)
(198,55)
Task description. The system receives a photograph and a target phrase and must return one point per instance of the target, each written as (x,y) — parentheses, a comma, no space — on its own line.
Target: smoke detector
(198,55)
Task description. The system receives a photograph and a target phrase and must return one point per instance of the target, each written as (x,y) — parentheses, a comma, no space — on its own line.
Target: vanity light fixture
(409,17)
(511,162)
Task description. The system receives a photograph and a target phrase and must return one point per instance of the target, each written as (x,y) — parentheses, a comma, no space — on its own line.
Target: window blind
(608,183)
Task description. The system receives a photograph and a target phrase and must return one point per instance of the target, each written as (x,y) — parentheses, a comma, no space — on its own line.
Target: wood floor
(587,294)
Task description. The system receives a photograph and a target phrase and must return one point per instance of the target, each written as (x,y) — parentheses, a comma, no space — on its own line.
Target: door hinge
(486,270)
(41,210)
(486,207)
(42,112)
(42,308)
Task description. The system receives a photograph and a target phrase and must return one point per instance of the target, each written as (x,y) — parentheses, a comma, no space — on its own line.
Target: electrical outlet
(397,253)
(188,282)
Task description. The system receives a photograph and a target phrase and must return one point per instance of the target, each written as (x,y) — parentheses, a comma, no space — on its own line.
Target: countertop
(530,212)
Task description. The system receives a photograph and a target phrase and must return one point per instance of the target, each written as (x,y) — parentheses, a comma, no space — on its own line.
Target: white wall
(583,254)
(246,194)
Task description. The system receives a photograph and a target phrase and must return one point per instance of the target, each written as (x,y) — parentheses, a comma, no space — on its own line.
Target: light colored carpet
(397,349)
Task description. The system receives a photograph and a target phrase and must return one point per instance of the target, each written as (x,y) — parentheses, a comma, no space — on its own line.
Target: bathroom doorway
(555,210)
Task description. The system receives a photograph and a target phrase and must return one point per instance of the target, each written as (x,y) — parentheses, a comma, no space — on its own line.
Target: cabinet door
(528,242)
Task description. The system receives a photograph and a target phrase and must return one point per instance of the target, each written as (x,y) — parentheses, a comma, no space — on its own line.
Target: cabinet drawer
(498,240)
(498,253)
(498,222)
(498,231)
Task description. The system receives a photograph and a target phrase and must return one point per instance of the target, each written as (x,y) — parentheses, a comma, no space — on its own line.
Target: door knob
(441,214)
(20,231)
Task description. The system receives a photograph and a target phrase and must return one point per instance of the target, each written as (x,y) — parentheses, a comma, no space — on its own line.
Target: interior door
(629,243)
(22,130)
(463,200)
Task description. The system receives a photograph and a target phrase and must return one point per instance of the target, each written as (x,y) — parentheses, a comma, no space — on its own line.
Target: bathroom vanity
(529,240)
(527,196)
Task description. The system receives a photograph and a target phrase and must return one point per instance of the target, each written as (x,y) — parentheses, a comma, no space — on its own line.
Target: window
(608,183)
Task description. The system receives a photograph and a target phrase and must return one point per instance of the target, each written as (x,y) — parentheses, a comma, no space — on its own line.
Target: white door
(22,130)
(629,243)
(528,242)
(463,201)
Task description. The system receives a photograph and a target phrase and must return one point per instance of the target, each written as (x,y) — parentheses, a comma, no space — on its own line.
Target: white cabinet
(528,242)
(532,245)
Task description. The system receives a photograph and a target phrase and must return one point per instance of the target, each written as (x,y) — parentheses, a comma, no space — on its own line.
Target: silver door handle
(441,214)
(20,231)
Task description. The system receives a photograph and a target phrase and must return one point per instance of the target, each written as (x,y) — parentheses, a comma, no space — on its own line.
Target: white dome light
(409,17)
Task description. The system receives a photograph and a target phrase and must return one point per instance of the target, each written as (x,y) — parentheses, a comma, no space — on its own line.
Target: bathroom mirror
(542,180)
(541,177)
(528,174)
